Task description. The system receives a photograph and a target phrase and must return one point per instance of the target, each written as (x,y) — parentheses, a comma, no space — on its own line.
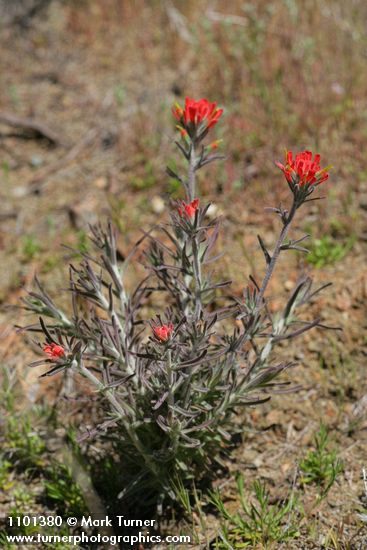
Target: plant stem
(275,256)
(195,246)
(192,176)
(107,392)
(171,396)
(122,413)
(197,276)
(123,338)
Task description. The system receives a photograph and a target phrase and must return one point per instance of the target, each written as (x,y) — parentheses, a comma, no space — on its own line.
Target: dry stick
(35,182)
(8,216)
(82,478)
(23,15)
(179,22)
(38,128)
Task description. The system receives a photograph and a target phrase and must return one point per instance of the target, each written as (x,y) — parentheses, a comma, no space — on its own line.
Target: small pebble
(36,161)
(288,285)
(20,191)
(212,211)
(100,183)
(158,205)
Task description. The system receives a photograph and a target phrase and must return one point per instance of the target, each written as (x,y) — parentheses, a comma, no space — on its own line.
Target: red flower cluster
(163,332)
(197,112)
(54,351)
(188,210)
(303,170)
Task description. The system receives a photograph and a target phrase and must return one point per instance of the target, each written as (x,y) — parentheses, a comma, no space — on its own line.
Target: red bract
(54,351)
(177,111)
(163,332)
(189,209)
(197,112)
(303,170)
(215,144)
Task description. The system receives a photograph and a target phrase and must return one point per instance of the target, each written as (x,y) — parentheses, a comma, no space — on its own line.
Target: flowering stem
(122,333)
(192,176)
(108,393)
(123,330)
(195,247)
(122,414)
(275,256)
(197,274)
(170,383)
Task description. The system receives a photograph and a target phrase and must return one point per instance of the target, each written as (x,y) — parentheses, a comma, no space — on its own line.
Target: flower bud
(163,332)
(54,351)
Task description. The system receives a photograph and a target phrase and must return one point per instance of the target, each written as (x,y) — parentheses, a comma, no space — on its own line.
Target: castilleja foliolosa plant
(171,386)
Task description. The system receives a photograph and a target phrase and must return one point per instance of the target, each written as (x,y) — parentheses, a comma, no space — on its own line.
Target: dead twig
(8,216)
(36,183)
(34,127)
(21,13)
(179,22)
